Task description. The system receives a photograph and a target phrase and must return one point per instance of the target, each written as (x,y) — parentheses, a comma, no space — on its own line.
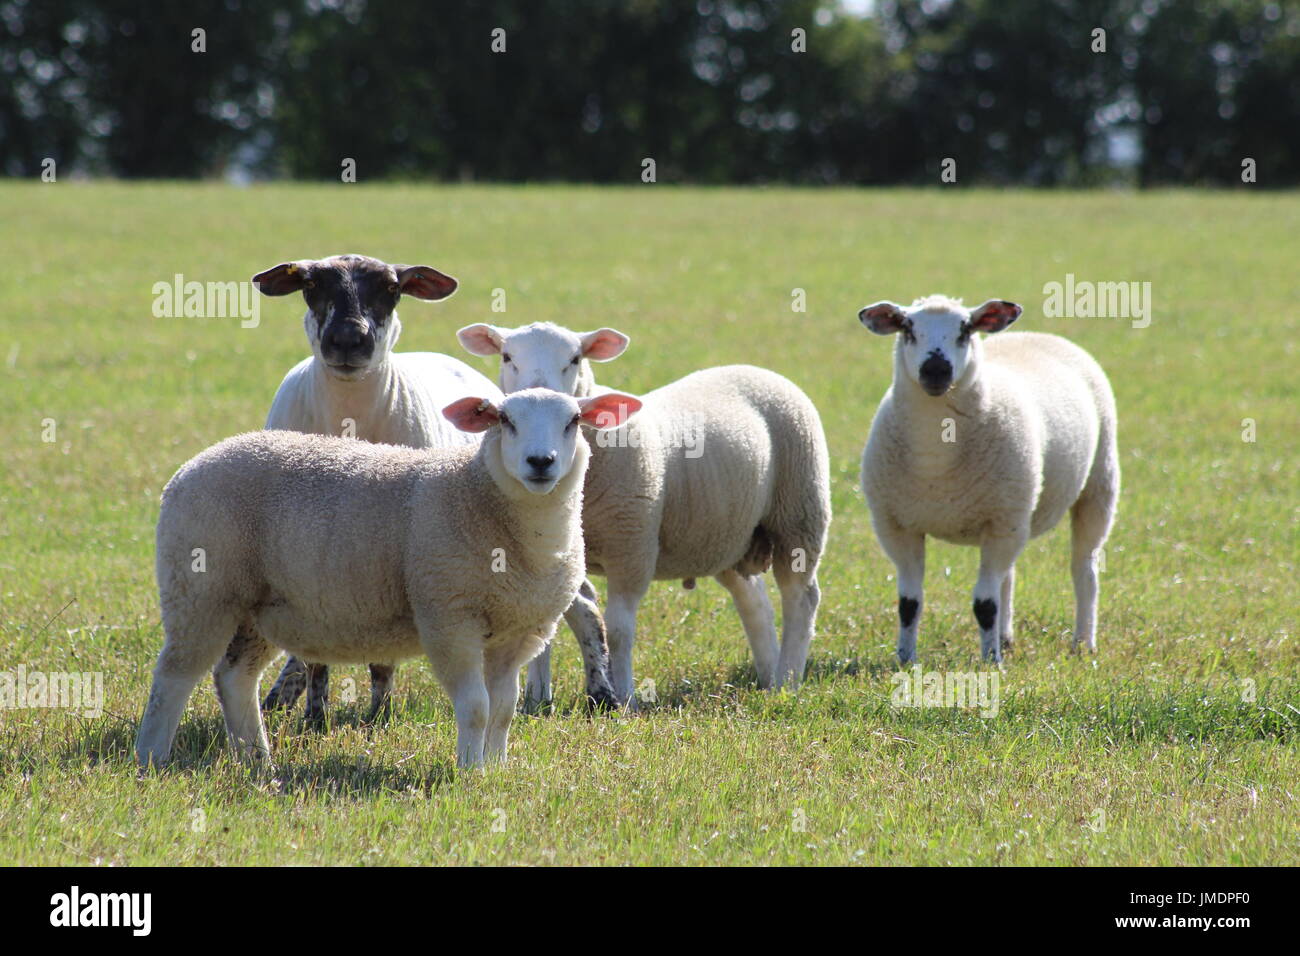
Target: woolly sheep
(353,384)
(988,444)
(724,473)
(338,550)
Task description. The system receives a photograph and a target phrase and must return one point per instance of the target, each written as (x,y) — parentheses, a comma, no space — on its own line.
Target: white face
(937,344)
(539,435)
(936,348)
(542,355)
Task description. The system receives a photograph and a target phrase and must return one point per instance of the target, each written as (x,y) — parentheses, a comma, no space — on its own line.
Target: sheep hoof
(601,701)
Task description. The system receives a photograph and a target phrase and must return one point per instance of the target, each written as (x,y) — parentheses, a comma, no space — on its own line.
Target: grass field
(1176,744)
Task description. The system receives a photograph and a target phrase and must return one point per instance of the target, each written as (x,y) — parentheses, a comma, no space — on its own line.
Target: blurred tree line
(805,91)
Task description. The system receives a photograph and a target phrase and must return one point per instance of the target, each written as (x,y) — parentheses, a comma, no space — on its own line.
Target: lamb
(338,550)
(724,473)
(353,384)
(989,445)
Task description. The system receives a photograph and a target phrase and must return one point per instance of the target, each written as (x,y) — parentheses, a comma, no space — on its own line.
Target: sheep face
(937,345)
(542,355)
(351,320)
(539,429)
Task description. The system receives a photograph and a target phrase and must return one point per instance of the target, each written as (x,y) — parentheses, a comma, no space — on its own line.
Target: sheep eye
(309,284)
(507,422)
(576,360)
(576,418)
(908,334)
(505,357)
(392,288)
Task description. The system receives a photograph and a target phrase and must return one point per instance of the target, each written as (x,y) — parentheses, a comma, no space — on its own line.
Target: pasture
(1176,744)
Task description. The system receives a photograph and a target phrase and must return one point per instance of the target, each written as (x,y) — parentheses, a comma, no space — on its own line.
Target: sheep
(353,384)
(724,473)
(988,444)
(337,550)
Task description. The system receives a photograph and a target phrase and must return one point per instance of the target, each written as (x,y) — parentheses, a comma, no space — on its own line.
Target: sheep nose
(936,374)
(344,336)
(541,463)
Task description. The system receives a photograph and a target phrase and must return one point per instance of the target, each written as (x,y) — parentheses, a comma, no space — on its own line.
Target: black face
(351,298)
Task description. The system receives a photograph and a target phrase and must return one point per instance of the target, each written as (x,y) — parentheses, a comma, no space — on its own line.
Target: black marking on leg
(986,612)
(907,608)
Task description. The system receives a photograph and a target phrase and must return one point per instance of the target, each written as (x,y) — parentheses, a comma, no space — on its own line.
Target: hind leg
(288,687)
(749,593)
(1090,523)
(1005,627)
(800,597)
(192,647)
(235,676)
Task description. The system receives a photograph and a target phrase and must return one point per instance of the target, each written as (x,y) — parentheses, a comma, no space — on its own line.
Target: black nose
(345,337)
(936,374)
(541,463)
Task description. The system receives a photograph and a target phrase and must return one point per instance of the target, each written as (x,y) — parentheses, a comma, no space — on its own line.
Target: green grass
(1177,744)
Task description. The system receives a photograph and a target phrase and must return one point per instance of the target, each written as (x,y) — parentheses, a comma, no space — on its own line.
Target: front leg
(381,692)
(997,558)
(318,694)
(456,653)
(537,693)
(584,619)
(907,550)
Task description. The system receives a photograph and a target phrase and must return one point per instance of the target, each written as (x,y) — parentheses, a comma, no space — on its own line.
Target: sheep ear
(285,278)
(603,344)
(883,318)
(994,316)
(472,414)
(424,282)
(481,339)
(608,410)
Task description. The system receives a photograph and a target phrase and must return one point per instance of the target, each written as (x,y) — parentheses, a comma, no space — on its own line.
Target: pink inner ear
(472,414)
(994,316)
(884,317)
(609,410)
(479,340)
(604,345)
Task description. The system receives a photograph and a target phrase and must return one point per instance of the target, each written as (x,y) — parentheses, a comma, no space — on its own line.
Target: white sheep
(354,384)
(724,473)
(988,444)
(338,550)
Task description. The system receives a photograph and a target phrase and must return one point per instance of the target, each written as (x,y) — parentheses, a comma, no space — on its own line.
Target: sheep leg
(189,651)
(457,659)
(537,692)
(907,551)
(381,692)
(800,597)
(288,687)
(501,668)
(1007,615)
(997,557)
(1090,523)
(620,621)
(749,593)
(584,618)
(318,694)
(235,676)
